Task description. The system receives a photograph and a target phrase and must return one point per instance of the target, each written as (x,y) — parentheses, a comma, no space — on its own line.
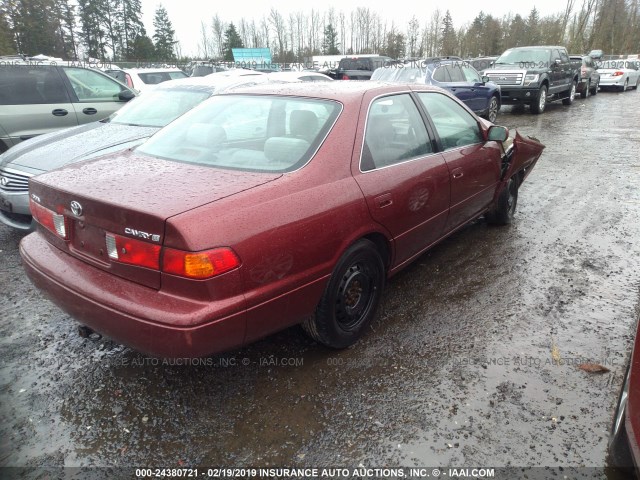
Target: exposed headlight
(532,78)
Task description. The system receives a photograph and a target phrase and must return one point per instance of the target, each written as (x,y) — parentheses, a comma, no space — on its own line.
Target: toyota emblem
(76,208)
(4,181)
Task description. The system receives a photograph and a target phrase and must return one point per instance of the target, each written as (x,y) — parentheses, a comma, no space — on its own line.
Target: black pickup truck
(535,76)
(359,68)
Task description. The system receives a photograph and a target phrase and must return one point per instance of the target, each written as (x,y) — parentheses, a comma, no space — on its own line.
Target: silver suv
(40,97)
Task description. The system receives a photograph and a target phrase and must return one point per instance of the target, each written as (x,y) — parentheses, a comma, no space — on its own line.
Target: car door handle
(457,173)
(89,111)
(384,200)
(59,112)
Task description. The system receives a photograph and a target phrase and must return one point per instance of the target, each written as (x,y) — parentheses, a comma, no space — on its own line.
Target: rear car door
(96,94)
(33,101)
(474,165)
(405,182)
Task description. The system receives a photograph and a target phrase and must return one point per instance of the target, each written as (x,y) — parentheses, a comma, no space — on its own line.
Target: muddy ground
(473,361)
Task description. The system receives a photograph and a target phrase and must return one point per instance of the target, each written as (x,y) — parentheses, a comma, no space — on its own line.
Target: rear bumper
(128,312)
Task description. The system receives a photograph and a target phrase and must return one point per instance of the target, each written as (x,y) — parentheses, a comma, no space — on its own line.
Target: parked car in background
(37,98)
(450,73)
(360,68)
(536,75)
(126,128)
(624,442)
(261,209)
(589,76)
(619,75)
(144,78)
(301,76)
(596,54)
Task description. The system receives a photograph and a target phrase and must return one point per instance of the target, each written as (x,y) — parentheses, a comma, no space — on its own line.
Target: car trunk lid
(130,196)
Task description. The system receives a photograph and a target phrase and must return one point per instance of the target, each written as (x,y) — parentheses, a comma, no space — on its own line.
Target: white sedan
(619,74)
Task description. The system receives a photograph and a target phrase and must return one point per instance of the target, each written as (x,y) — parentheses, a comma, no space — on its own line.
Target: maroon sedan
(624,444)
(259,210)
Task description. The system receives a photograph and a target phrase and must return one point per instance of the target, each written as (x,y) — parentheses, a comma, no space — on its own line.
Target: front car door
(96,93)
(405,182)
(33,101)
(474,165)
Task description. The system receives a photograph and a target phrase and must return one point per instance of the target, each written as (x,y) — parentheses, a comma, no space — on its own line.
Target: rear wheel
(540,101)
(505,208)
(351,298)
(572,95)
(595,89)
(625,86)
(637,83)
(586,91)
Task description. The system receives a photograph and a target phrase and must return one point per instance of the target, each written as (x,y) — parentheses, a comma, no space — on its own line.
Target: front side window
(455,72)
(441,75)
(154,78)
(456,127)
(471,75)
(92,86)
(395,133)
(263,133)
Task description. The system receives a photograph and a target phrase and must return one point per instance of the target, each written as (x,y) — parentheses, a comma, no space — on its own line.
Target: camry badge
(76,208)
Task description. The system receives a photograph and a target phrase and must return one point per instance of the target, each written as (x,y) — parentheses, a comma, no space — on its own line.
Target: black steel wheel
(505,208)
(350,300)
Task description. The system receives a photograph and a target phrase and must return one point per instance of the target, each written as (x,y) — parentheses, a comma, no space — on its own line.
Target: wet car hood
(55,149)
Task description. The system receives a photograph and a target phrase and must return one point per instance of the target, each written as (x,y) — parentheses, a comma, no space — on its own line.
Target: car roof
(340,91)
(151,70)
(210,83)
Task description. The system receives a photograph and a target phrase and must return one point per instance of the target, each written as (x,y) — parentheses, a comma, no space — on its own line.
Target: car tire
(624,87)
(572,95)
(586,91)
(540,102)
(619,454)
(637,83)
(595,89)
(351,298)
(505,208)
(492,111)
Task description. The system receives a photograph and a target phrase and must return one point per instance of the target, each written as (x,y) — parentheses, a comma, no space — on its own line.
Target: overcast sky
(186,15)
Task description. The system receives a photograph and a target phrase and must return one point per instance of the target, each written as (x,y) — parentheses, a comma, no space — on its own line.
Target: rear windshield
(154,78)
(247,132)
(157,108)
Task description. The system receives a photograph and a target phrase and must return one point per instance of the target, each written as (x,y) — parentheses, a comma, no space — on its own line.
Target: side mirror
(498,133)
(126,95)
(485,79)
(557,61)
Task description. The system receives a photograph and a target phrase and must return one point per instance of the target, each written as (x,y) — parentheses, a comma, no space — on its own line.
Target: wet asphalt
(474,360)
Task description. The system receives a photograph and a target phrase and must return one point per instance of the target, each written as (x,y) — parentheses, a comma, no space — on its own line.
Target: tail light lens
(196,265)
(583,72)
(199,265)
(128,80)
(618,74)
(345,77)
(133,252)
(52,221)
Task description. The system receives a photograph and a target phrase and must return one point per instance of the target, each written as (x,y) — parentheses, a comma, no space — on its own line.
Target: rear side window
(31,85)
(92,86)
(455,126)
(395,133)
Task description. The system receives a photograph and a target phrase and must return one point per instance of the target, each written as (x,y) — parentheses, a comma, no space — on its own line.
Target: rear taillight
(199,265)
(618,73)
(345,77)
(127,78)
(133,252)
(52,221)
(196,265)
(583,72)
